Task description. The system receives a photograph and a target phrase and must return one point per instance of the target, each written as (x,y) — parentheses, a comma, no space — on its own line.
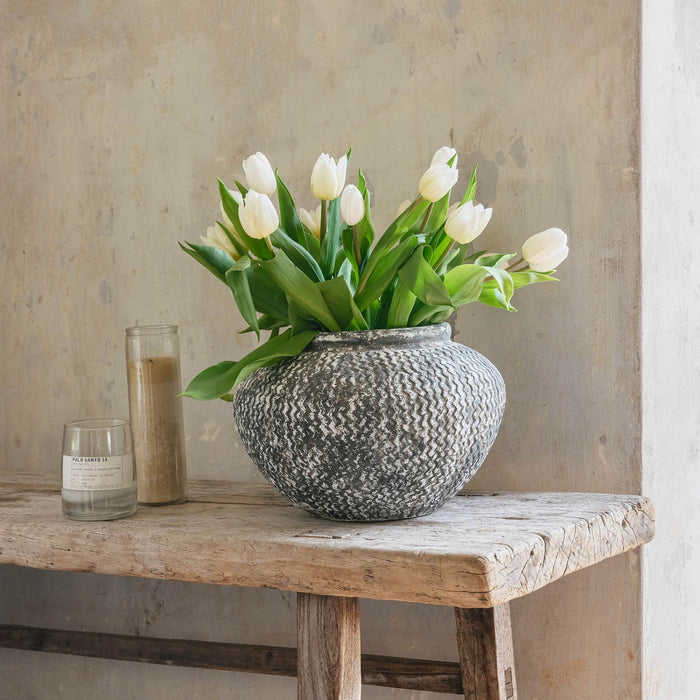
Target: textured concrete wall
(562,150)
(118,118)
(670,342)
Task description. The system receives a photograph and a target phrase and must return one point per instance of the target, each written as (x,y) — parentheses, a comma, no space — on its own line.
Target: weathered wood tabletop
(477,551)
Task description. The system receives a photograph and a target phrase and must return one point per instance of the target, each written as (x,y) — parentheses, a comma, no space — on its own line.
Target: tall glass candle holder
(153,373)
(99,481)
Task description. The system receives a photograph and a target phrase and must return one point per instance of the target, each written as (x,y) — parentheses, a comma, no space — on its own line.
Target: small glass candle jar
(99,479)
(153,373)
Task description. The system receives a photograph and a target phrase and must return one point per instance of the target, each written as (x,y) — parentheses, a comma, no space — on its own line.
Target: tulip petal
(259,174)
(352,205)
(437,181)
(443,155)
(258,215)
(340,175)
(545,250)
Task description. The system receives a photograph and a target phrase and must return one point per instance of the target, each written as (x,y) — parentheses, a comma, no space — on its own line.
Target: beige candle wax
(156,420)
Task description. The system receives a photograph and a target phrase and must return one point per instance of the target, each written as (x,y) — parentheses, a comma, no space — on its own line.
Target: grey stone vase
(372,425)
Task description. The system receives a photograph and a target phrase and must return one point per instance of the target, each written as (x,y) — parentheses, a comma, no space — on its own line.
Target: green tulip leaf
(331,241)
(339,299)
(440,243)
(438,215)
(402,302)
(396,231)
(266,323)
(300,289)
(521,279)
(464,283)
(212,382)
(470,192)
(240,248)
(297,254)
(346,272)
(474,256)
(289,219)
(217,261)
(428,315)
(300,319)
(268,298)
(491,295)
(218,380)
(348,238)
(422,280)
(493,260)
(383,274)
(503,282)
(237,280)
(365,228)
(312,244)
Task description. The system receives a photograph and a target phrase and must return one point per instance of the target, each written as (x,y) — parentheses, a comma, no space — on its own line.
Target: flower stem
(513,265)
(356,244)
(269,245)
(441,259)
(322,227)
(428,212)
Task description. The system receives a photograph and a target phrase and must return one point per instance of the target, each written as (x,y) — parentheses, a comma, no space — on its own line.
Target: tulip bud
(258,215)
(259,174)
(402,207)
(327,177)
(352,205)
(216,238)
(443,155)
(437,181)
(545,250)
(311,219)
(467,221)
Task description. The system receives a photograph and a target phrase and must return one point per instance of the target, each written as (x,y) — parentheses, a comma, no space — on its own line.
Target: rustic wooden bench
(477,553)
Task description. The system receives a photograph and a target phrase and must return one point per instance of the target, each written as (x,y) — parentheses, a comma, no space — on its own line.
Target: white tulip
(352,205)
(545,250)
(327,177)
(467,221)
(216,238)
(311,219)
(437,181)
(258,215)
(259,174)
(402,207)
(443,155)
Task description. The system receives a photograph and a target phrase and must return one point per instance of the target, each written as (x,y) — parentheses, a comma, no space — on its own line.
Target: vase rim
(438,332)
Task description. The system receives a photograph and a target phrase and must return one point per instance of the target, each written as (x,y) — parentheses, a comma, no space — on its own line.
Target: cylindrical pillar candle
(153,373)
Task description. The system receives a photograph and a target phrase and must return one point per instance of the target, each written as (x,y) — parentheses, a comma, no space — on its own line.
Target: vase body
(372,425)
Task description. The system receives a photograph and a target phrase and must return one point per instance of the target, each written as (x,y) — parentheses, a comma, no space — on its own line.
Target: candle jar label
(98,473)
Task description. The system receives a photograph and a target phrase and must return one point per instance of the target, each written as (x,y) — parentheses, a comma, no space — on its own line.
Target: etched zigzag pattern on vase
(365,432)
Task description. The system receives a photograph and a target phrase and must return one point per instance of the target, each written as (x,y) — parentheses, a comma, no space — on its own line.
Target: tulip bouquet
(295,273)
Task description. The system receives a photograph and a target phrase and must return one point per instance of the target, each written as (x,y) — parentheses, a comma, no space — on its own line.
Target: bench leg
(485,642)
(328,648)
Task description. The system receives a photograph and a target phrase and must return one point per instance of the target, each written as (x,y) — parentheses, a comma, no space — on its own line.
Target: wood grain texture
(478,550)
(328,648)
(485,643)
(386,671)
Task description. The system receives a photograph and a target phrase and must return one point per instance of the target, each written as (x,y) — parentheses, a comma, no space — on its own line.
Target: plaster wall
(670,341)
(119,116)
